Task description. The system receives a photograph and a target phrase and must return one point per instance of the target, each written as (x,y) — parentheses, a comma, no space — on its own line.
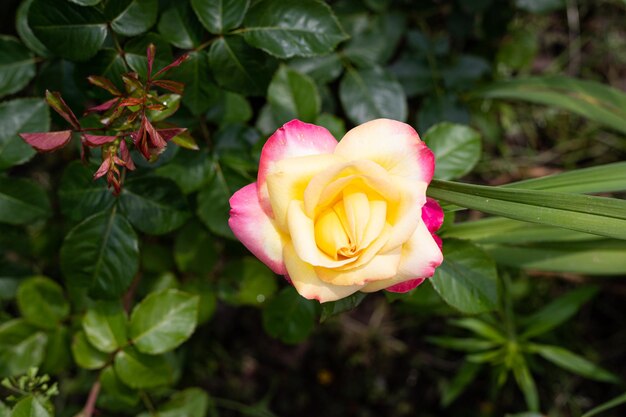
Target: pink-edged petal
(421,255)
(294,138)
(394,145)
(97,140)
(255,229)
(406,286)
(432,215)
(47,141)
(308,284)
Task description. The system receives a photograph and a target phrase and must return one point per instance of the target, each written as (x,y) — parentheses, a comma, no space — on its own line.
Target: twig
(90,405)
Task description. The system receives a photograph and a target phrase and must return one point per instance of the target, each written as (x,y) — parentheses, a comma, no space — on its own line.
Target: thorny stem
(90,405)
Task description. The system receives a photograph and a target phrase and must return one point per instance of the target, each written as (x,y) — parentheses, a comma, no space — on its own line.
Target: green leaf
(463,378)
(17,66)
(593,256)
(154,205)
(289,317)
(194,249)
(597,215)
(79,195)
(286,28)
(467,278)
(557,312)
(230,109)
(4,410)
(29,406)
(68,30)
(323,69)
(247,281)
(21,347)
(178,25)
(115,395)
(465,344)
(192,402)
(131,17)
(340,306)
(526,383)
(293,96)
(220,16)
(26,34)
(456,147)
(42,302)
(163,321)
(589,99)
(378,42)
(85,355)
(190,170)
(481,328)
(17,116)
(414,74)
(22,201)
(105,326)
(86,2)
(200,92)
(142,371)
(205,290)
(619,400)
(574,363)
(213,204)
(240,68)
(101,255)
(372,93)
(518,50)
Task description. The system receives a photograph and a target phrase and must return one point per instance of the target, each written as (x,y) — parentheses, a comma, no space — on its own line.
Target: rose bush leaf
(17,66)
(21,347)
(17,116)
(26,33)
(220,16)
(68,30)
(135,53)
(153,205)
(105,326)
(238,67)
(194,249)
(22,201)
(79,195)
(42,302)
(85,355)
(192,402)
(131,17)
(289,317)
(142,371)
(200,92)
(287,28)
(247,282)
(100,255)
(372,93)
(29,406)
(323,69)
(456,147)
(467,278)
(58,355)
(293,96)
(163,320)
(179,26)
(115,394)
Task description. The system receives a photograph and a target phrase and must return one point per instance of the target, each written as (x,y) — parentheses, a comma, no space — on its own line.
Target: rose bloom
(340,217)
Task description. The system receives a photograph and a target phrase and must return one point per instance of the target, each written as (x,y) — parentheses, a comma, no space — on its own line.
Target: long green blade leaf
(597,215)
(589,99)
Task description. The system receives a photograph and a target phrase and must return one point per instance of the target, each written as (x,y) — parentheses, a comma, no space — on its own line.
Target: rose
(336,218)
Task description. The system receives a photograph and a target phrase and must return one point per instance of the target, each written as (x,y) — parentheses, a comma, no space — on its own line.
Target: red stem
(90,406)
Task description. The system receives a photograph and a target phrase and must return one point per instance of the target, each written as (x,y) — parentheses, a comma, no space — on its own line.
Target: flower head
(337,218)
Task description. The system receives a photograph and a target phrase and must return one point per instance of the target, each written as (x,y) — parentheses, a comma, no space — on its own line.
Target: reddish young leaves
(56,102)
(47,141)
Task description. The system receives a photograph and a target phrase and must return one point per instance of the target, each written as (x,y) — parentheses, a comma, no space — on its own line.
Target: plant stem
(90,405)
